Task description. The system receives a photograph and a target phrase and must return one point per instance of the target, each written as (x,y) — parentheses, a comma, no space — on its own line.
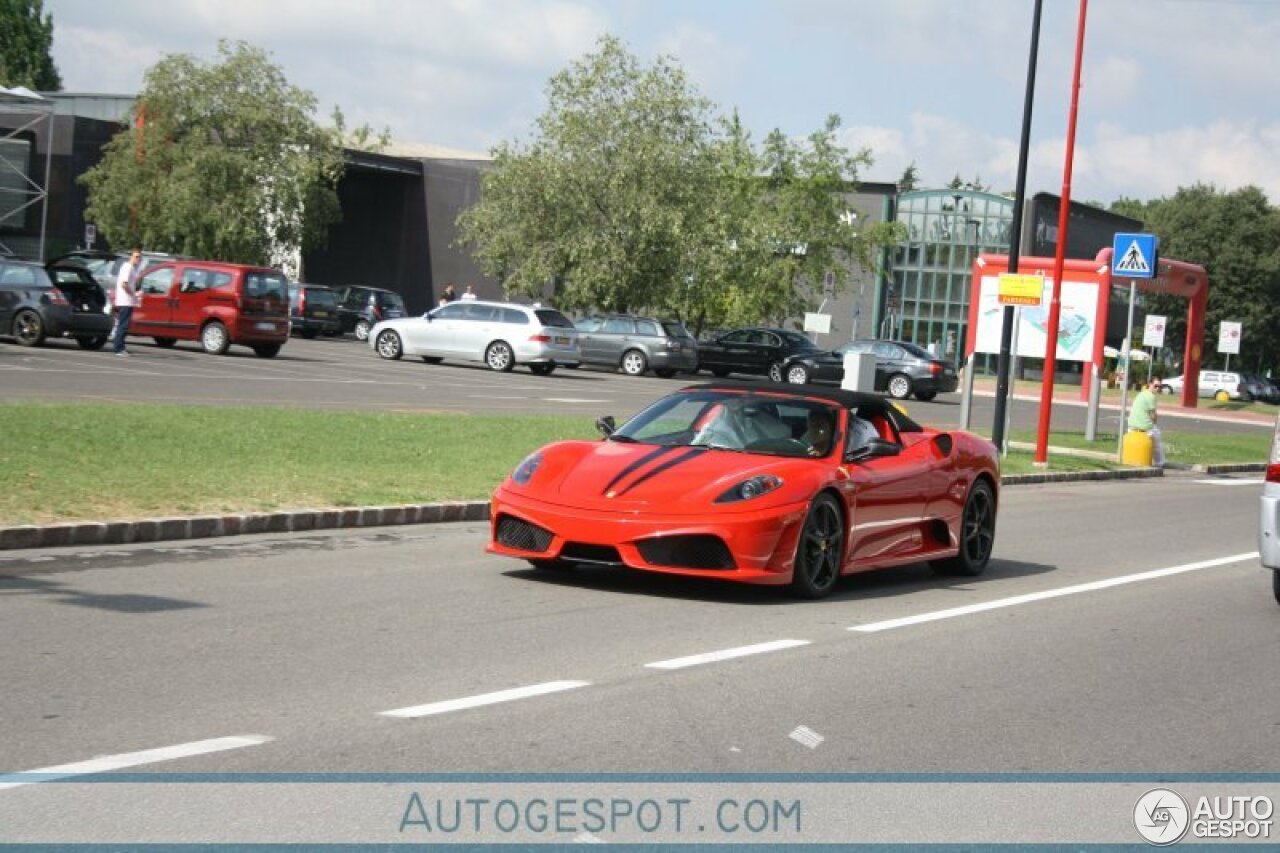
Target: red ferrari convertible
(757,483)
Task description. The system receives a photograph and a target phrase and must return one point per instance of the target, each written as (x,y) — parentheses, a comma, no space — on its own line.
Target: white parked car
(1269,523)
(1218,384)
(499,334)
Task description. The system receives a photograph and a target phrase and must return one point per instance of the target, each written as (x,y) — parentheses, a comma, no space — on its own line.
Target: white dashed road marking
(1254,483)
(1013,601)
(485,699)
(105,763)
(726,654)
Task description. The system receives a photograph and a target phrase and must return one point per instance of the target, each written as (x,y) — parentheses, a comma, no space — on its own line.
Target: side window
(588,324)
(157,281)
(220,279)
(618,326)
(452,311)
(648,328)
(885,351)
(515,317)
(769,339)
(195,280)
(743,336)
(481,313)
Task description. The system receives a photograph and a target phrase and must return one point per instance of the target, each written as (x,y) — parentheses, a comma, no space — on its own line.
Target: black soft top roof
(867,403)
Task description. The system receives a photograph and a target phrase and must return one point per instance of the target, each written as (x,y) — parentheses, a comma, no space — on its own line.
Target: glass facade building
(926,296)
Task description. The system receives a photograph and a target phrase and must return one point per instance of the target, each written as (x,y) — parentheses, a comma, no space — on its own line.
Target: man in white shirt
(126,295)
(469,293)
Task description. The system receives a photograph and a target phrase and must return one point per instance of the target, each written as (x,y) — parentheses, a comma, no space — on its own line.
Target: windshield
(390,300)
(260,285)
(748,423)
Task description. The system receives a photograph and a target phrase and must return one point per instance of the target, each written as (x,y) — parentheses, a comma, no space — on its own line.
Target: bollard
(1136,449)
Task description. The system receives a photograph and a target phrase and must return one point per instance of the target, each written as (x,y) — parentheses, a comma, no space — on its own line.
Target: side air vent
(518,533)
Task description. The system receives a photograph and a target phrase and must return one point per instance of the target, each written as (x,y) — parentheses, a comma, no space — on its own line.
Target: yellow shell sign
(1020,289)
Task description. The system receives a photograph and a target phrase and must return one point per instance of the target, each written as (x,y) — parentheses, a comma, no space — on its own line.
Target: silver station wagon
(499,334)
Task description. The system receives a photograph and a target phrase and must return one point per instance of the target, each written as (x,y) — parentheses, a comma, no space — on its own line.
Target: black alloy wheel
(266,350)
(820,550)
(925,396)
(1275,585)
(977,534)
(28,328)
(663,372)
(775,372)
(542,369)
(798,374)
(165,343)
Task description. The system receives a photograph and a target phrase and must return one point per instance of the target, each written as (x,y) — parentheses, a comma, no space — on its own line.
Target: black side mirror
(873,449)
(606,425)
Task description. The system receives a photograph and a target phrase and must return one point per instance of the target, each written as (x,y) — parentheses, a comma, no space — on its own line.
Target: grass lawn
(62,462)
(69,462)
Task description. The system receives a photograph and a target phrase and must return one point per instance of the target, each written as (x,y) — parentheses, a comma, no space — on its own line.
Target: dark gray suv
(637,344)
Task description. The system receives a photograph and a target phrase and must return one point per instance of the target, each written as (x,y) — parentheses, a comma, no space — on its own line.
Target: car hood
(610,475)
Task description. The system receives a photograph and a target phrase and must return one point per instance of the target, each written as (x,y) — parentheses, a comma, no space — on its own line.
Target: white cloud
(709,61)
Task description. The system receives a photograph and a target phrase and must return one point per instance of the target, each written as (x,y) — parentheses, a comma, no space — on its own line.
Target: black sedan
(902,368)
(758,351)
(58,301)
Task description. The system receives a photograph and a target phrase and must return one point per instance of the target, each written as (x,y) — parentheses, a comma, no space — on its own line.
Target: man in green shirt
(1143,417)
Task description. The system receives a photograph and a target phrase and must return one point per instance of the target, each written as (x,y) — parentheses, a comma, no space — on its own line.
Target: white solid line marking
(888,624)
(572,400)
(1254,483)
(726,654)
(485,699)
(104,763)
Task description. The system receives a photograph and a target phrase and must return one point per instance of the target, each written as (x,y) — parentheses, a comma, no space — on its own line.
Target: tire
(719,372)
(214,338)
(977,535)
(899,386)
(309,334)
(96,342)
(775,372)
(388,344)
(798,374)
(925,396)
(266,350)
(165,343)
(634,363)
(499,357)
(362,329)
(820,551)
(542,369)
(1275,586)
(432,359)
(664,372)
(28,328)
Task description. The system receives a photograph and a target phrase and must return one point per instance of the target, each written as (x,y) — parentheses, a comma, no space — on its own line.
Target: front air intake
(519,534)
(700,551)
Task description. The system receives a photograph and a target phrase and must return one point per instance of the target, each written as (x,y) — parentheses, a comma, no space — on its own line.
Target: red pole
(1055,304)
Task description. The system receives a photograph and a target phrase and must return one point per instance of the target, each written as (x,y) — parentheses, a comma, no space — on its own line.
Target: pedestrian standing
(450,294)
(469,293)
(1142,417)
(126,296)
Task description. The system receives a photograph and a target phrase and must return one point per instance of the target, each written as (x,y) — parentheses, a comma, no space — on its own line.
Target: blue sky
(1174,91)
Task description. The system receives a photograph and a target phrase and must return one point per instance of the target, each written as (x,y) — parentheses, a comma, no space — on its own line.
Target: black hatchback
(902,368)
(59,301)
(360,308)
(755,350)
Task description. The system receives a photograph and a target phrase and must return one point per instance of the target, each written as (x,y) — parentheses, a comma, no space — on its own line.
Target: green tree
(633,195)
(1235,236)
(910,178)
(26,46)
(221,160)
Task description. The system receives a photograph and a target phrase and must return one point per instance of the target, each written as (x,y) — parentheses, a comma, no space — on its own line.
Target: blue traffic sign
(1134,256)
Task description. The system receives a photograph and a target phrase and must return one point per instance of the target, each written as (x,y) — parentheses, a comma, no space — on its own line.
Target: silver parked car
(1269,523)
(637,344)
(500,334)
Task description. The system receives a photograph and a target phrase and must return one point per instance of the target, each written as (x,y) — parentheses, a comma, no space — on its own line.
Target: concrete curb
(234,524)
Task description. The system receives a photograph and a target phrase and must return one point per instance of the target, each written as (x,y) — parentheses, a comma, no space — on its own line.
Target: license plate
(562,340)
(321,314)
(266,327)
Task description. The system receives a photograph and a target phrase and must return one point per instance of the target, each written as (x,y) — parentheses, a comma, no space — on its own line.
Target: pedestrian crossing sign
(1134,256)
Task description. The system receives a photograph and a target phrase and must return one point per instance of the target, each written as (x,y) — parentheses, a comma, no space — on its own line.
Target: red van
(214,303)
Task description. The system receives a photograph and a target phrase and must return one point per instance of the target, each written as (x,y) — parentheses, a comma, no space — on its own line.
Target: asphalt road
(342,373)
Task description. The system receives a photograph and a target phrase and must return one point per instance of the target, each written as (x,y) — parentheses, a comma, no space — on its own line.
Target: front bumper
(762,543)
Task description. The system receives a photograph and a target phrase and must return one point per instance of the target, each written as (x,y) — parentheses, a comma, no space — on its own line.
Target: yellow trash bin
(1136,449)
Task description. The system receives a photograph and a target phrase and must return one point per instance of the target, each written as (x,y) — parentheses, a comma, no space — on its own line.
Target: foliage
(910,178)
(26,46)
(1235,236)
(634,195)
(222,161)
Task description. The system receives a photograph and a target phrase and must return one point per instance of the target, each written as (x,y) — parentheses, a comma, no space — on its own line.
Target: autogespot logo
(1161,816)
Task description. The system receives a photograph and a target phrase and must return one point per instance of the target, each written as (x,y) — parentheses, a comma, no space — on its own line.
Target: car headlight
(524,471)
(752,488)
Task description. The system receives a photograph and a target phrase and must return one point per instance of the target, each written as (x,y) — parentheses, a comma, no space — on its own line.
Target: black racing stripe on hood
(643,460)
(669,464)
